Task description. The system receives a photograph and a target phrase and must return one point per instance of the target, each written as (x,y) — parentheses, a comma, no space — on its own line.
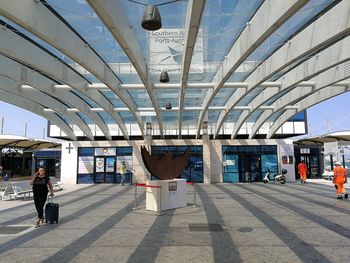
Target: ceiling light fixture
(164,77)
(151,19)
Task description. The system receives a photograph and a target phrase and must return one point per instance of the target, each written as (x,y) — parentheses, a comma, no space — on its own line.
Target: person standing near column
(339,180)
(41,182)
(302,170)
(122,172)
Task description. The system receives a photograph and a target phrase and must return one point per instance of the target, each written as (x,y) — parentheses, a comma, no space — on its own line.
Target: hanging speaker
(164,77)
(168,106)
(151,19)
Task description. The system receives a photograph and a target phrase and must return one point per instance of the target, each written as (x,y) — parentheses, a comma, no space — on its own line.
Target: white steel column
(270,16)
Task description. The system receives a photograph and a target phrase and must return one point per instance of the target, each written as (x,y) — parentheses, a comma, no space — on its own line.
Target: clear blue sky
(335,112)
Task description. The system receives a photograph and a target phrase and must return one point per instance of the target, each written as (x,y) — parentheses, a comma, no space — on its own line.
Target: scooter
(279,178)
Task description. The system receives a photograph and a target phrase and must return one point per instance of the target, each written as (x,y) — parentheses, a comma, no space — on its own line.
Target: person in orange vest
(339,180)
(302,170)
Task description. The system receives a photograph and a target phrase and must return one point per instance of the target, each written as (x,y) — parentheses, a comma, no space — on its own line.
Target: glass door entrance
(104,170)
(250,169)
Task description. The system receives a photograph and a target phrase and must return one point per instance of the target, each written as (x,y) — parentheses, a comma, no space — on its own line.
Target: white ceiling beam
(22,74)
(330,57)
(19,49)
(37,109)
(46,101)
(311,100)
(113,16)
(193,17)
(37,19)
(333,25)
(270,16)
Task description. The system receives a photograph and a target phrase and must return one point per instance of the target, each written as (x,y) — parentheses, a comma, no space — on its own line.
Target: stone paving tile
(261,223)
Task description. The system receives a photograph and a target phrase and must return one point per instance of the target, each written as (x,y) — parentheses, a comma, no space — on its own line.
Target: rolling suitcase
(51,211)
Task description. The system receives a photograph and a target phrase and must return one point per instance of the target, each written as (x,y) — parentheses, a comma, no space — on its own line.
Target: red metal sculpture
(166,167)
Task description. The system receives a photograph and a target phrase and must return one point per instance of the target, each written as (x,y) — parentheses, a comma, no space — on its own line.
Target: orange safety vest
(339,174)
(302,168)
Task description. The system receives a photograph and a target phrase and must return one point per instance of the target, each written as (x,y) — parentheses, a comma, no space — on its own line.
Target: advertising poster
(166,49)
(105,151)
(100,165)
(110,164)
(86,165)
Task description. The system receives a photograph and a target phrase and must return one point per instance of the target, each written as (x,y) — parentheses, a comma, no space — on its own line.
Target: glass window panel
(254,116)
(113,98)
(127,117)
(283,33)
(250,96)
(298,117)
(86,151)
(163,48)
(213,116)
(194,97)
(165,96)
(106,118)
(222,97)
(190,117)
(170,117)
(85,99)
(233,116)
(269,163)
(85,118)
(64,118)
(89,26)
(222,23)
(194,170)
(141,98)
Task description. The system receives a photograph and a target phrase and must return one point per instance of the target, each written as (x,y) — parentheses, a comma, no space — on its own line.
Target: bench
(21,189)
(3,185)
(56,185)
(7,192)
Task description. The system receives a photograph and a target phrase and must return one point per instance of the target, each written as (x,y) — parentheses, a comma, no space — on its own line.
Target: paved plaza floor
(233,223)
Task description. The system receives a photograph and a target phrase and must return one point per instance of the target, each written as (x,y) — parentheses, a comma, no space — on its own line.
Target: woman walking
(41,182)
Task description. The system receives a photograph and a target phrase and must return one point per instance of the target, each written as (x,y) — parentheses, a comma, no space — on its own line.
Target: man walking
(339,180)
(302,170)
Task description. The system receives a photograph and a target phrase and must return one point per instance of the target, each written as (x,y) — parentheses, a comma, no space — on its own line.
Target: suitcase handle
(49,199)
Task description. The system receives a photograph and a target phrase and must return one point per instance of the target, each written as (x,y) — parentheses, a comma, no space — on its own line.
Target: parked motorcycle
(278,178)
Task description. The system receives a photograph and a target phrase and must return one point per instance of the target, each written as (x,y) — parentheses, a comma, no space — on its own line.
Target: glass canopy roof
(223,58)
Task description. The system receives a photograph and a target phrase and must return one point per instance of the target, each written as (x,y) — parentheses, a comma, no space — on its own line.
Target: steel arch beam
(113,16)
(25,75)
(37,109)
(193,17)
(330,57)
(332,26)
(307,102)
(329,78)
(270,16)
(51,29)
(40,98)
(19,49)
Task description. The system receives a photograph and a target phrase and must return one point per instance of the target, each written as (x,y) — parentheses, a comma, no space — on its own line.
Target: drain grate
(245,229)
(206,227)
(12,230)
